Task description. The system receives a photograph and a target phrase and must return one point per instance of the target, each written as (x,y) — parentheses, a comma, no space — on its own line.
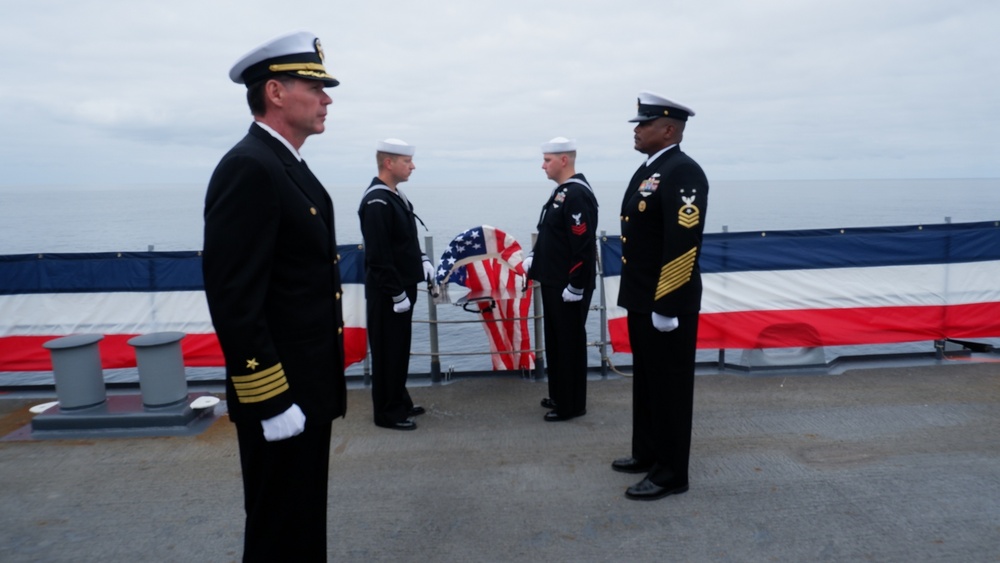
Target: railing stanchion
(432,320)
(603,346)
(539,323)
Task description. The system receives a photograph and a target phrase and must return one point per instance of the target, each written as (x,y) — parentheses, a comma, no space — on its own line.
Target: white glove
(428,270)
(570,294)
(287,424)
(401,306)
(526,264)
(664,324)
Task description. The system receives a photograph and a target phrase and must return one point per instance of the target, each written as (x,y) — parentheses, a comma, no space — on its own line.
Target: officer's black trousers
(566,349)
(663,395)
(285,492)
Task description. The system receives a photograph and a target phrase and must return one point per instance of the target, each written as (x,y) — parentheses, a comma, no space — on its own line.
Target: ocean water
(65,219)
(48,219)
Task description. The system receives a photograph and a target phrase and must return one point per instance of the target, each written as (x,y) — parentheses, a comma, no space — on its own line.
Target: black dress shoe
(401,425)
(630,465)
(417,410)
(548,403)
(553,416)
(648,490)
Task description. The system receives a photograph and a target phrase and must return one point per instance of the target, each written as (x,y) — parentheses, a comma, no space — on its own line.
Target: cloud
(122,92)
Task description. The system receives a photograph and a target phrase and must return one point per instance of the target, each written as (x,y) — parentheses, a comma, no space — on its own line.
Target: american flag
(487,260)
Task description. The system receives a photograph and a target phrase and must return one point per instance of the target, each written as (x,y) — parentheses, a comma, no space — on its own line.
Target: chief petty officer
(662,220)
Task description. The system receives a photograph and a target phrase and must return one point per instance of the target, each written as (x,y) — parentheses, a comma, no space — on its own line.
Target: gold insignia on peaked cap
(319,50)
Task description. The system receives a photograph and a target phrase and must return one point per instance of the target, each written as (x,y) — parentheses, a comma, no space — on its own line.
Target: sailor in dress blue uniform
(563,261)
(394,265)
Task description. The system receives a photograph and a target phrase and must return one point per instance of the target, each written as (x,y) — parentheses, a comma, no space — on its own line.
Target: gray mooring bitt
(76,367)
(160,363)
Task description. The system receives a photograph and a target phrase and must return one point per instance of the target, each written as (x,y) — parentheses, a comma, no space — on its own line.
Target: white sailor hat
(395,146)
(559,144)
(296,54)
(652,106)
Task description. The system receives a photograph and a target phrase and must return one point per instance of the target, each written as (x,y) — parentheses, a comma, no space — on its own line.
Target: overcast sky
(125,92)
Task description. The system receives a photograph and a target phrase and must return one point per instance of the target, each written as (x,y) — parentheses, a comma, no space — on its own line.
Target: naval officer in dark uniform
(662,218)
(563,261)
(273,289)
(394,265)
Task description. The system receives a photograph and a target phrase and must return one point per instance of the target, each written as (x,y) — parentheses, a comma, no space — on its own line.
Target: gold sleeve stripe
(676,273)
(260,386)
(276,368)
(264,394)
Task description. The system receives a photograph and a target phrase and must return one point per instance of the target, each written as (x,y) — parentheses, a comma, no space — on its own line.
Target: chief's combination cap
(652,106)
(559,144)
(297,54)
(395,146)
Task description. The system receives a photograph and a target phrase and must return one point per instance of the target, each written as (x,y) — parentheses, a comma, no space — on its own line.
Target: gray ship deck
(889,464)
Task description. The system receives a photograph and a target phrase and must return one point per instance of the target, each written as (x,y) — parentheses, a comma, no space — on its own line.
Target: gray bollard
(160,362)
(76,365)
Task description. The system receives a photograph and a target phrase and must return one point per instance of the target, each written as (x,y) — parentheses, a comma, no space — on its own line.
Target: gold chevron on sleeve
(261,386)
(676,273)
(688,216)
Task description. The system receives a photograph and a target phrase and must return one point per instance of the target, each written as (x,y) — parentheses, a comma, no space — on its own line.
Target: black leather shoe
(553,416)
(630,465)
(648,490)
(401,425)
(548,403)
(417,410)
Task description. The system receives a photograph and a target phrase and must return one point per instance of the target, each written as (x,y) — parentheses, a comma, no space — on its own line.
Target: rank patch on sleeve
(689,215)
(260,386)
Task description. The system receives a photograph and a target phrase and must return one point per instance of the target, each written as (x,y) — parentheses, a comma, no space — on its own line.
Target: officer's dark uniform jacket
(273,283)
(565,252)
(393,260)
(663,217)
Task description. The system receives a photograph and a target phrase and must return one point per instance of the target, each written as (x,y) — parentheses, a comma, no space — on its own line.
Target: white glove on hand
(402,306)
(570,294)
(428,270)
(287,424)
(526,264)
(664,324)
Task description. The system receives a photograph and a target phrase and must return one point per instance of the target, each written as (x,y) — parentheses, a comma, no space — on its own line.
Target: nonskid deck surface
(888,464)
